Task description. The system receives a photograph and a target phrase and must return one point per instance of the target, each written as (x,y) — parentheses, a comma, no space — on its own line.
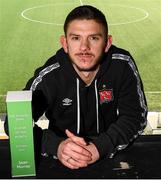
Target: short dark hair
(86,12)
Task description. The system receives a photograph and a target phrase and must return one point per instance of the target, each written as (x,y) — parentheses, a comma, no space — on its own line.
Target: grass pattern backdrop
(30,31)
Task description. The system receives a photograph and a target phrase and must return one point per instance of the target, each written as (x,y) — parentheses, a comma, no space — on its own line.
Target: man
(91,93)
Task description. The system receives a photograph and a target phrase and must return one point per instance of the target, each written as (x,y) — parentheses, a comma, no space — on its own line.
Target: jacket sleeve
(40,103)
(132,114)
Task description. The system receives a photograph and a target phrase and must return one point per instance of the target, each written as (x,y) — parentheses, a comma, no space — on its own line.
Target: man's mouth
(85,55)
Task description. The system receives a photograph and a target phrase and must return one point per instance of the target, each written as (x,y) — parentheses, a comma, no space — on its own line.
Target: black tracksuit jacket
(111,112)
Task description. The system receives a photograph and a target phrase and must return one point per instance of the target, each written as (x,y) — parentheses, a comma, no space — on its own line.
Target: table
(141,160)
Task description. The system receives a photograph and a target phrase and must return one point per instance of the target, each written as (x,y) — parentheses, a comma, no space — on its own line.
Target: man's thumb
(76,139)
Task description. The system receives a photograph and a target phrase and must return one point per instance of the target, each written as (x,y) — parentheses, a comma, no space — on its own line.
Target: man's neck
(87,76)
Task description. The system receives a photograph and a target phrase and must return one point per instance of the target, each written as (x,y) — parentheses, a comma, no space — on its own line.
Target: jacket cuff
(50,142)
(104,145)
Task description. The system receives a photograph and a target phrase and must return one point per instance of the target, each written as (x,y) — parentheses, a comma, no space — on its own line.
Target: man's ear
(63,42)
(109,43)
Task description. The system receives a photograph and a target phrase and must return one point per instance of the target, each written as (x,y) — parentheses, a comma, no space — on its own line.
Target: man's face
(85,42)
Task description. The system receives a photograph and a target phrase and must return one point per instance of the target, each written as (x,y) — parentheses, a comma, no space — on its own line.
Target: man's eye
(95,38)
(75,38)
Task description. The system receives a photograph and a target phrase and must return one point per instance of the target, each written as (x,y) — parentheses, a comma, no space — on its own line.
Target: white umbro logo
(67,102)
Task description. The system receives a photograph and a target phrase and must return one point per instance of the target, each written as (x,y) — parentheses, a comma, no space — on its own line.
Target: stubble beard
(90,69)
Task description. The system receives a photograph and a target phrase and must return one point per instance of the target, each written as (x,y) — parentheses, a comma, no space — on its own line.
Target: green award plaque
(21,133)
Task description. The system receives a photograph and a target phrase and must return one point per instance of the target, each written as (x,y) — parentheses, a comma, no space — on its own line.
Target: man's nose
(84,45)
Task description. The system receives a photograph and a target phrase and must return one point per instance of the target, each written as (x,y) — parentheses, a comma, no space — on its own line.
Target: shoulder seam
(42,73)
(122,57)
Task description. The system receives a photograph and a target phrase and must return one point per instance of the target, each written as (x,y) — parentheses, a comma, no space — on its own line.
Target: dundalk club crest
(106,95)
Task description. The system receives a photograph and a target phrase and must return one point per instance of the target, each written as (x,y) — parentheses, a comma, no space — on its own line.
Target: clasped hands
(75,153)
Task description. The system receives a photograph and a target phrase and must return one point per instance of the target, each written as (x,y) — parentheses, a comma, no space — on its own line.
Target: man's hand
(72,152)
(95,154)
(90,147)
